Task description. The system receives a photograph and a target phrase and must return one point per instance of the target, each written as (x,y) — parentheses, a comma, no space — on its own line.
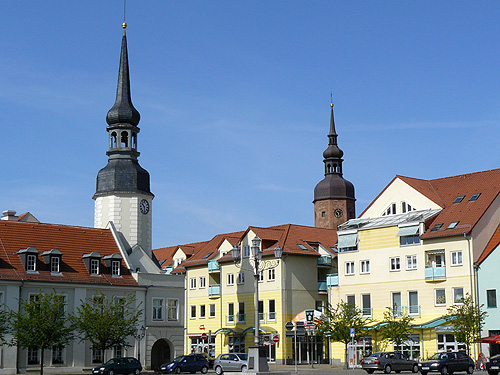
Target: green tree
(4,324)
(340,319)
(41,323)
(468,320)
(397,328)
(107,322)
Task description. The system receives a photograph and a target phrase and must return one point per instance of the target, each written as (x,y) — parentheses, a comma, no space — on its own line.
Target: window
(57,354)
(203,282)
(31,263)
(491,298)
(413,308)
(33,358)
(192,283)
(202,311)
(397,309)
(96,356)
(94,268)
(157,309)
(364,266)
(456,258)
(261,276)
(436,227)
(409,235)
(115,268)
(411,262)
(367,304)
(261,311)
(458,295)
(271,274)
(406,207)
(193,312)
(272,310)
(351,299)
(319,306)
(395,264)
(323,213)
(241,278)
(349,268)
(453,225)
(118,349)
(211,311)
(246,251)
(474,197)
(230,279)
(413,239)
(173,309)
(459,199)
(61,299)
(54,264)
(348,242)
(391,210)
(241,312)
(410,348)
(230,312)
(440,297)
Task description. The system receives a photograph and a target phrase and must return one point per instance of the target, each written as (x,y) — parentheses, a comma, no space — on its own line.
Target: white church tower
(122,195)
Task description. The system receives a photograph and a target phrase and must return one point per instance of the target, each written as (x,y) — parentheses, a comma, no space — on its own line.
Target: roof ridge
(8,222)
(465,174)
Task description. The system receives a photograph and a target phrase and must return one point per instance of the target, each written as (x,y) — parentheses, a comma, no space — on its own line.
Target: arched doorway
(160,354)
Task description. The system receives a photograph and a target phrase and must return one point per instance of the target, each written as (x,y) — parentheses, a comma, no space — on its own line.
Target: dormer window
(92,262)
(113,262)
(53,259)
(29,258)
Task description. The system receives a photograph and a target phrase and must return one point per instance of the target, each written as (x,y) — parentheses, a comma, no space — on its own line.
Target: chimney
(9,215)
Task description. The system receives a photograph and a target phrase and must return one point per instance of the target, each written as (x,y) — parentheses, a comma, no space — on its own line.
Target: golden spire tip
(331,104)
(124,25)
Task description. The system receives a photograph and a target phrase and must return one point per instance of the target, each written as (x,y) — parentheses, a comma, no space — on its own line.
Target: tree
(396,329)
(340,319)
(107,322)
(41,323)
(468,320)
(4,325)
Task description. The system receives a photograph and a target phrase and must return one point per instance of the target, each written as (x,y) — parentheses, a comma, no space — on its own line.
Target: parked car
(447,363)
(125,365)
(493,365)
(387,362)
(230,362)
(186,363)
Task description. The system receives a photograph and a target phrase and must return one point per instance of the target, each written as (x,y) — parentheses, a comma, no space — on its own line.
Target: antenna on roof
(124,24)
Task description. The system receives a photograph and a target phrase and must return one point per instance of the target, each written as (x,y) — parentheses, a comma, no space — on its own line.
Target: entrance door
(160,354)
(271,352)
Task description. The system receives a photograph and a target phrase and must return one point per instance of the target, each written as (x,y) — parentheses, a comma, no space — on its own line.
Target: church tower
(122,192)
(334,201)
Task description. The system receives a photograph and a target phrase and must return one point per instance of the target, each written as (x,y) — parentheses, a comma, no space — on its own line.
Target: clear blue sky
(234,101)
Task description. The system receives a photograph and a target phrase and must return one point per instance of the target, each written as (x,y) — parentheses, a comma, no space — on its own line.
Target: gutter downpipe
(19,309)
(471,276)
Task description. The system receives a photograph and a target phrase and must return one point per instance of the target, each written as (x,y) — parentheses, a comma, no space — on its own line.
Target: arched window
(124,139)
(112,140)
(134,141)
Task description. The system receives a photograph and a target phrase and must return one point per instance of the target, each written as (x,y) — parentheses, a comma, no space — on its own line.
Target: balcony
(325,261)
(435,274)
(322,286)
(332,279)
(214,290)
(213,266)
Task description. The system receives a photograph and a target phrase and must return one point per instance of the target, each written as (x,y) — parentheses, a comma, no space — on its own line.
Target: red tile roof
(492,245)
(73,242)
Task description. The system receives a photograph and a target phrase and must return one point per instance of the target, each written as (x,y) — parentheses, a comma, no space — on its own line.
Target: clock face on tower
(144,206)
(338,213)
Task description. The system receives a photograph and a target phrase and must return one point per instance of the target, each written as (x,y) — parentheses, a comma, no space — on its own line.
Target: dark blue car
(186,363)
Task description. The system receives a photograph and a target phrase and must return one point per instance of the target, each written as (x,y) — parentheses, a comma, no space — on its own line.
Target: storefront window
(446,343)
(410,348)
(236,344)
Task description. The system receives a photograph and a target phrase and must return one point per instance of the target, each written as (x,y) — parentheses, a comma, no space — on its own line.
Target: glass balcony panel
(213,266)
(332,279)
(214,290)
(322,287)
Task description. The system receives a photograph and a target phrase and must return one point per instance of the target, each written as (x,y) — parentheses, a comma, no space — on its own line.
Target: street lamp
(256,359)
(139,335)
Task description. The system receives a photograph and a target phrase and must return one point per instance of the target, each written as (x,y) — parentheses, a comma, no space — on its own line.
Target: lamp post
(257,361)
(139,335)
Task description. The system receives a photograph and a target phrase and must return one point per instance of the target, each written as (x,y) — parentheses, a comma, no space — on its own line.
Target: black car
(186,363)
(125,365)
(447,363)
(493,365)
(387,362)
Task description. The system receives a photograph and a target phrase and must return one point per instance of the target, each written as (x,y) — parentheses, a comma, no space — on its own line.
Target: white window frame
(192,283)
(94,266)
(211,310)
(270,312)
(97,356)
(363,308)
(230,279)
(231,317)
(31,262)
(436,303)
(203,282)
(261,276)
(411,262)
(157,309)
(55,264)
(454,255)
(409,306)
(246,251)
(349,268)
(57,355)
(203,311)
(364,267)
(172,309)
(395,264)
(192,312)
(353,297)
(115,268)
(271,274)
(241,278)
(33,356)
(454,295)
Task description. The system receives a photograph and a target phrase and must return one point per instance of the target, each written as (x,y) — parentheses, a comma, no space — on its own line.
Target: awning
(495,339)
(408,231)
(440,251)
(226,331)
(347,240)
(432,324)
(252,329)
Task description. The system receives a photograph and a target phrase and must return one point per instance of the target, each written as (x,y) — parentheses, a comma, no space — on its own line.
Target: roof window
(453,225)
(459,199)
(29,258)
(207,255)
(53,259)
(92,262)
(302,246)
(437,227)
(474,197)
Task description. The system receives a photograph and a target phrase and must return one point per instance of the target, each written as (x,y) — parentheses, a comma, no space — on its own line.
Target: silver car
(230,362)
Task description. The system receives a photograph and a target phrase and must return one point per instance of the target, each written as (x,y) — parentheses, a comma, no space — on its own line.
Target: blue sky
(234,101)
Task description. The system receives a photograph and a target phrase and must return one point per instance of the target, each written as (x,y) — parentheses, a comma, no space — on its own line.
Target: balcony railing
(435,273)
(332,279)
(413,310)
(322,287)
(367,311)
(213,266)
(262,316)
(272,317)
(241,318)
(325,261)
(214,290)
(230,319)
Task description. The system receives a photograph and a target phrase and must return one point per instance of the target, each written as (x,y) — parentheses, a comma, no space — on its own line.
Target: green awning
(252,329)
(432,324)
(408,231)
(226,331)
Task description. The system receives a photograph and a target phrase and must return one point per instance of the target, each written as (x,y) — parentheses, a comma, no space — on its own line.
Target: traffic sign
(276,338)
(310,316)
(289,326)
(299,327)
(352,332)
(204,336)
